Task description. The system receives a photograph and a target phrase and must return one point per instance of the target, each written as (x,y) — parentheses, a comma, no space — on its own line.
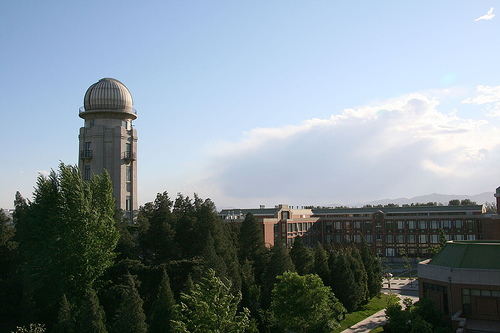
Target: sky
(262,102)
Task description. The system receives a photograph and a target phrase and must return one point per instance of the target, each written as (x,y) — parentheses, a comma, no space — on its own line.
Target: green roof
(469,254)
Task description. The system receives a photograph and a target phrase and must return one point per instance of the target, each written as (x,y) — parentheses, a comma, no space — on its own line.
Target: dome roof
(108,94)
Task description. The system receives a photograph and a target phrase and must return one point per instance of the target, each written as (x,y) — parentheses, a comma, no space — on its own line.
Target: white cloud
(488,16)
(489,95)
(43,172)
(403,145)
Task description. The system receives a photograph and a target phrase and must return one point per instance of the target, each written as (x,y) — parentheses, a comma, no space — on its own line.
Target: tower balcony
(86,154)
(129,156)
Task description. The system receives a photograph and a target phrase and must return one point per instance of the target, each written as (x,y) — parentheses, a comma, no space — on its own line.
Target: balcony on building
(86,154)
(129,156)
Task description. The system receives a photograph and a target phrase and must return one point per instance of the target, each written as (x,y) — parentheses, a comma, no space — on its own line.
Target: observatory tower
(108,141)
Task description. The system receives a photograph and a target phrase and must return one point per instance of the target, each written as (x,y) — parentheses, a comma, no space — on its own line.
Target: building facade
(108,140)
(389,231)
(463,280)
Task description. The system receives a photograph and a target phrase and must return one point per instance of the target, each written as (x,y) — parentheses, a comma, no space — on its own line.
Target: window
(389,252)
(369,239)
(411,239)
(338,225)
(367,225)
(446,224)
(88,146)
(434,239)
(338,238)
(389,239)
(471,237)
(458,237)
(458,224)
(401,225)
(389,225)
(328,239)
(357,238)
(128,171)
(86,172)
(469,224)
(400,239)
(434,224)
(422,239)
(128,203)
(357,225)
(411,225)
(328,227)
(422,224)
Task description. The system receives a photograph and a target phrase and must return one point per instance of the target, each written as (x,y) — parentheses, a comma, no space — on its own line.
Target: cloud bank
(401,147)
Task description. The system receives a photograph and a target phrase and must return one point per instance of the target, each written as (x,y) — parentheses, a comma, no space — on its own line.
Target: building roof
(108,94)
(469,254)
(399,210)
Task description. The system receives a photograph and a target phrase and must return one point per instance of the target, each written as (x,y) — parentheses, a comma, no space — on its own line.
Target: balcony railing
(129,156)
(86,154)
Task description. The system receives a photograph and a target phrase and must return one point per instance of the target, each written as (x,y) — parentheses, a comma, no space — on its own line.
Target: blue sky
(262,102)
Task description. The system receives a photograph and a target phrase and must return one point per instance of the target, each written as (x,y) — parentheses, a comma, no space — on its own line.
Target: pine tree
(66,321)
(301,257)
(279,263)
(163,308)
(321,264)
(373,270)
(251,245)
(92,317)
(358,269)
(343,281)
(130,316)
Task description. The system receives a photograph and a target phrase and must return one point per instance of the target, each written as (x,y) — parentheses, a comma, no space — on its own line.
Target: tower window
(128,203)
(128,171)
(86,172)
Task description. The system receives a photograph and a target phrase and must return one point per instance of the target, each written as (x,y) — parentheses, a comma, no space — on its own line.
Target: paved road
(402,288)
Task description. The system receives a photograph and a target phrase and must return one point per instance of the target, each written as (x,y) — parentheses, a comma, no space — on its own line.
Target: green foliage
(373,270)
(321,264)
(66,319)
(279,263)
(210,307)
(305,304)
(301,257)
(343,280)
(32,328)
(130,315)
(92,317)
(66,236)
(163,308)
(251,246)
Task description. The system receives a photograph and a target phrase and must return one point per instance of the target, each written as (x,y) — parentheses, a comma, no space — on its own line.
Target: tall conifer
(130,317)
(163,308)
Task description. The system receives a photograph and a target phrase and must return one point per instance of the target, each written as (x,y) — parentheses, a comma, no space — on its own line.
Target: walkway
(403,289)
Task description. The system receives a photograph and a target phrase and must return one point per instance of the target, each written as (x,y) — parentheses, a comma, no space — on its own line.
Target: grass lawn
(377,330)
(376,304)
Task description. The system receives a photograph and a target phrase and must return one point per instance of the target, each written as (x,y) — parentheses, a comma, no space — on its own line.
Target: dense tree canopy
(305,304)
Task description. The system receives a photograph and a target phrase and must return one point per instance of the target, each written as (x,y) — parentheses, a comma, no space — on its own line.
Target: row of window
(403,225)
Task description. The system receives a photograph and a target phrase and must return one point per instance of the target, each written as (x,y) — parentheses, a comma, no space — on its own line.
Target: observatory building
(108,141)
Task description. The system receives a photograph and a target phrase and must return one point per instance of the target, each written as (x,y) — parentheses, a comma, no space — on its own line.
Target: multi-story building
(108,140)
(388,230)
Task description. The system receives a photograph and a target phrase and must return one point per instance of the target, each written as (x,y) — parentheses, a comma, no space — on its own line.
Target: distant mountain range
(435,197)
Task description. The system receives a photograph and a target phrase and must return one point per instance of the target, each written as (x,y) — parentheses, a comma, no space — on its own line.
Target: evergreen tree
(157,226)
(301,257)
(358,269)
(130,315)
(251,245)
(321,264)
(92,317)
(373,270)
(66,320)
(343,281)
(211,259)
(279,263)
(163,308)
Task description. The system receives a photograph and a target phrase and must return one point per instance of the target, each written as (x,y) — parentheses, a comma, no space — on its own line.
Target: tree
(301,257)
(130,315)
(467,202)
(343,281)
(210,307)
(92,317)
(373,270)
(321,264)
(251,245)
(454,202)
(66,320)
(305,304)
(157,226)
(279,263)
(360,276)
(163,308)
(66,236)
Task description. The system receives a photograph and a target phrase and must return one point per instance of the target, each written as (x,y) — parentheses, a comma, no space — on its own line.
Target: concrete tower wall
(108,140)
